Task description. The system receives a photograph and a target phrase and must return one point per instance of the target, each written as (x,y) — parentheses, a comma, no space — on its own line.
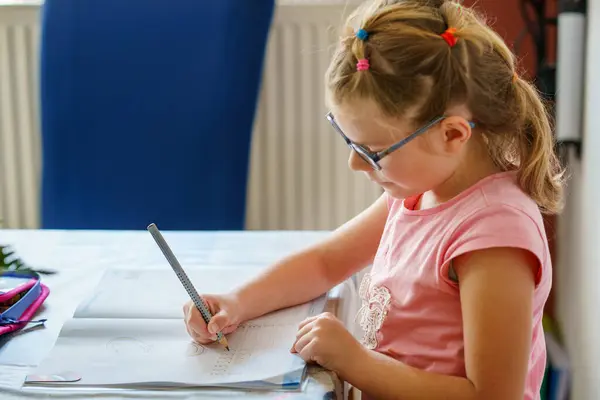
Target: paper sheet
(130,333)
(12,376)
(150,352)
(156,293)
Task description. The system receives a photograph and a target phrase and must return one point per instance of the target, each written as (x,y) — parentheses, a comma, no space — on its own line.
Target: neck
(469,173)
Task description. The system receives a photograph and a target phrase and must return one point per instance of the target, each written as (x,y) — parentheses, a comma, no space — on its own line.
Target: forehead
(364,123)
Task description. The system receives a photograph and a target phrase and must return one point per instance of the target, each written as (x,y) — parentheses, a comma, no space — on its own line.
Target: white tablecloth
(81,257)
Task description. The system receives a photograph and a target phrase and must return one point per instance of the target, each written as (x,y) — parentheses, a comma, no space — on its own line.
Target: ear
(456,132)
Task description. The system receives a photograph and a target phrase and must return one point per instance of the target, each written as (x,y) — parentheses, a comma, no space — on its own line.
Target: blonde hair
(411,65)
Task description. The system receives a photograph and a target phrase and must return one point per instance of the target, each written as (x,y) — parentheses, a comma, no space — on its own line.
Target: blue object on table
(147,111)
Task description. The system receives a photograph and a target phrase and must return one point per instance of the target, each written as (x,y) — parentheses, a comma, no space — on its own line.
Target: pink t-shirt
(411,304)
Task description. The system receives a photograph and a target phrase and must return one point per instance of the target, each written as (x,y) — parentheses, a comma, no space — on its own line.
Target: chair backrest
(147,111)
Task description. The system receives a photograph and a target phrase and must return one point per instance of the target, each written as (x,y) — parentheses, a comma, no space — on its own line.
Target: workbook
(130,333)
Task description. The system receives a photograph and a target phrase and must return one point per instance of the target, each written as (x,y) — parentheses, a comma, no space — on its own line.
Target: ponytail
(410,62)
(539,171)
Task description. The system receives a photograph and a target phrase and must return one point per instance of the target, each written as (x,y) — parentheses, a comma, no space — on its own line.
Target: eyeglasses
(373,158)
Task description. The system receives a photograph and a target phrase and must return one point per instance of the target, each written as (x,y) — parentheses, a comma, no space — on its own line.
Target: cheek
(409,161)
(417,170)
(402,169)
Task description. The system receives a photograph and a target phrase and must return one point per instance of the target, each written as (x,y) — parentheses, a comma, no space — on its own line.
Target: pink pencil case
(21,295)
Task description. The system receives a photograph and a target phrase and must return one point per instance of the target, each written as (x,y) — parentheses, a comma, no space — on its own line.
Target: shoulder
(500,215)
(504,192)
(499,203)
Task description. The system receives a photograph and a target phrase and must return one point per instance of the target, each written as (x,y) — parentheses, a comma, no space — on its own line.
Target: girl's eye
(372,149)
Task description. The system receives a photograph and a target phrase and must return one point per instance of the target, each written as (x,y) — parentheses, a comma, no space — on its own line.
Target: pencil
(185,281)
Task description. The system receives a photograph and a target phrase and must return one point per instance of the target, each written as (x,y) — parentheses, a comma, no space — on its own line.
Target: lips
(377,182)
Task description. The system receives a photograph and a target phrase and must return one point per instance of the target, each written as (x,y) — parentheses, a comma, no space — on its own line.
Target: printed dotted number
(242,356)
(224,361)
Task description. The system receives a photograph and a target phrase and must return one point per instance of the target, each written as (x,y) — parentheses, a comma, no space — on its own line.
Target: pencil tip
(227,347)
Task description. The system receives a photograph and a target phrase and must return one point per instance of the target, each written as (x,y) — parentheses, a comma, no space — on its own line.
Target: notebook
(130,333)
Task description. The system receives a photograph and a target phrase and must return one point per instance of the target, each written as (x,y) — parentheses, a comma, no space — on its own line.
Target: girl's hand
(324,339)
(226,312)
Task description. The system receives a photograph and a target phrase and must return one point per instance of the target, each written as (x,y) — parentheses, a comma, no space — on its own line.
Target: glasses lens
(358,149)
(339,131)
(361,152)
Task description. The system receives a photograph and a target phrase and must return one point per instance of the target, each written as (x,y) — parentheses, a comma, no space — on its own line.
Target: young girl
(427,97)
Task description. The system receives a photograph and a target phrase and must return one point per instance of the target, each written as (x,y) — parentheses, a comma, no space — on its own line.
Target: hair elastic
(362,34)
(450,36)
(515,77)
(362,64)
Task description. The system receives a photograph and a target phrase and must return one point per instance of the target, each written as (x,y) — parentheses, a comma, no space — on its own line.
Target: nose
(356,162)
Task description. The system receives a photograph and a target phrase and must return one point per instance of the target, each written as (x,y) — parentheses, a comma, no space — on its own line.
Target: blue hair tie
(362,34)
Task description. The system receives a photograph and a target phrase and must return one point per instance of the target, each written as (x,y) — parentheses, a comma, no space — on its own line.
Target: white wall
(578,272)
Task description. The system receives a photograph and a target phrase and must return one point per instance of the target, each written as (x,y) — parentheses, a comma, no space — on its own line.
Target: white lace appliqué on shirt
(374,309)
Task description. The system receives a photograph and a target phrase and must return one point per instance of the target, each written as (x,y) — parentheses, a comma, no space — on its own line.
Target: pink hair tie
(362,65)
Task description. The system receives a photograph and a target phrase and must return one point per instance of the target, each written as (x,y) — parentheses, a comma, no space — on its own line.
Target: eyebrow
(366,146)
(374,144)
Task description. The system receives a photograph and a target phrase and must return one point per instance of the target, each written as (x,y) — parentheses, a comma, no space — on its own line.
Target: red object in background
(506,18)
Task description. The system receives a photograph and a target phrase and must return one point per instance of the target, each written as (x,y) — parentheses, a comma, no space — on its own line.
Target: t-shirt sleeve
(496,226)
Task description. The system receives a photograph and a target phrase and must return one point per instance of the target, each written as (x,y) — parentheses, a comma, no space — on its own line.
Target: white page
(157,292)
(147,352)
(130,331)
(12,376)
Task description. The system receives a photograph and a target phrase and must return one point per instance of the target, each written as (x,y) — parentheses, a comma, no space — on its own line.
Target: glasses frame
(373,158)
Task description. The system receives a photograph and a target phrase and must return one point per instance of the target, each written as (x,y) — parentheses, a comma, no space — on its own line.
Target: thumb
(219,321)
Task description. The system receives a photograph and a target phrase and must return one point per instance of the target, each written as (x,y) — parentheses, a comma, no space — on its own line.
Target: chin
(396,191)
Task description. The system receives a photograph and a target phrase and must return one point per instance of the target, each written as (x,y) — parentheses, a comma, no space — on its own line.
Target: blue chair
(147,110)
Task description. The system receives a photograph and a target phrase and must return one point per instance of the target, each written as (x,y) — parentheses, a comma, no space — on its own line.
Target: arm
(497,335)
(310,273)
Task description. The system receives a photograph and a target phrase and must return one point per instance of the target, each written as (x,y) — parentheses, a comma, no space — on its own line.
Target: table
(81,257)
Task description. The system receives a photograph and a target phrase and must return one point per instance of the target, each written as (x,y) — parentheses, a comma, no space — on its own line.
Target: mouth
(381,183)
(377,181)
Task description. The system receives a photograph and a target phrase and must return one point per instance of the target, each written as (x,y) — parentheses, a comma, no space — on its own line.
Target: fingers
(218,322)
(195,325)
(303,341)
(307,321)
(307,353)
(305,328)
(306,331)
(198,338)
